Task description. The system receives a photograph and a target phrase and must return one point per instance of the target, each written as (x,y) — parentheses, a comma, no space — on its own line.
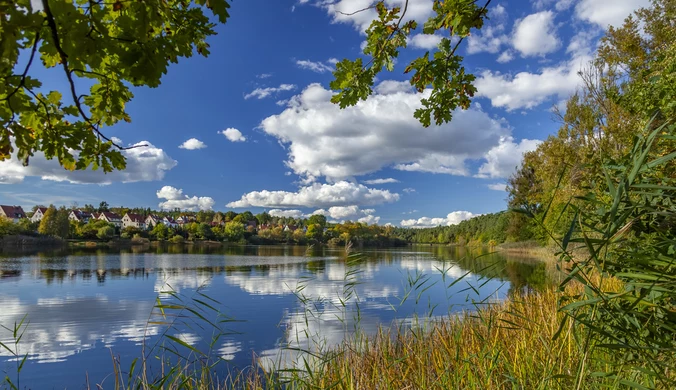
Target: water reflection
(81,302)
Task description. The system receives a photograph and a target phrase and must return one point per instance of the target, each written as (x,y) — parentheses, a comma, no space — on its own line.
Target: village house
(13,213)
(290,228)
(80,216)
(185,219)
(111,218)
(133,220)
(38,214)
(169,222)
(152,221)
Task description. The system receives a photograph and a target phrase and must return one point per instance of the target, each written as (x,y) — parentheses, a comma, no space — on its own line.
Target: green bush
(106,233)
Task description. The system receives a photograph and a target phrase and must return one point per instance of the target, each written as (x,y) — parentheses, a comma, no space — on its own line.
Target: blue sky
(266,137)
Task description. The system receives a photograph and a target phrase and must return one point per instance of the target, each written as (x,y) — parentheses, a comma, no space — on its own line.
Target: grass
(510,345)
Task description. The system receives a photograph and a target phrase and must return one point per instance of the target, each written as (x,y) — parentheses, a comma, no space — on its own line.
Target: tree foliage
(109,46)
(441,71)
(55,222)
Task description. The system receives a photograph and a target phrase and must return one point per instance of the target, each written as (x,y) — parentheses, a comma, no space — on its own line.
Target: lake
(84,306)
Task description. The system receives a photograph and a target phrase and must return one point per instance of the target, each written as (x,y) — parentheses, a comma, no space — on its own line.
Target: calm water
(83,305)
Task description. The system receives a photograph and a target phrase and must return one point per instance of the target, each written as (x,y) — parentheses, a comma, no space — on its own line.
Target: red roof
(111,216)
(135,217)
(42,210)
(13,211)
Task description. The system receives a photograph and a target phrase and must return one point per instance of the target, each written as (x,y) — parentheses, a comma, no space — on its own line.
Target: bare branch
(358,11)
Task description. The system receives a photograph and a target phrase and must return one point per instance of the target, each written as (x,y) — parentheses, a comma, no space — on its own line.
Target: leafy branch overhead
(108,46)
(441,71)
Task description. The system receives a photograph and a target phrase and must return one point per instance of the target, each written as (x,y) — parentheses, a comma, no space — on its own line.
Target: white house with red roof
(133,220)
(13,213)
(38,214)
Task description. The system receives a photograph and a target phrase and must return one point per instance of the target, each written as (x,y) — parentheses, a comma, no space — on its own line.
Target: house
(290,228)
(95,215)
(38,214)
(13,213)
(133,220)
(169,222)
(185,219)
(111,218)
(80,216)
(251,224)
(152,221)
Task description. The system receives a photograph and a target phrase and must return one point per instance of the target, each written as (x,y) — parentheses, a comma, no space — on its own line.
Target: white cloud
(424,41)
(314,66)
(175,199)
(527,90)
(388,87)
(261,93)
(192,144)
(324,140)
(342,193)
(369,219)
(502,160)
(351,212)
(453,218)
(409,190)
(381,181)
(498,186)
(418,10)
(287,213)
(535,35)
(264,75)
(607,12)
(233,135)
(144,163)
(489,39)
(506,56)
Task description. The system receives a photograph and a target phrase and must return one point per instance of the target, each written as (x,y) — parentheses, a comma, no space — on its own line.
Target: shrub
(106,233)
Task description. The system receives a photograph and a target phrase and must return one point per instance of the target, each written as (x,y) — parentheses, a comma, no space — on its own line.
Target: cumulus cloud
(526,89)
(287,213)
(262,93)
(343,11)
(233,135)
(607,12)
(505,56)
(381,181)
(315,66)
(453,218)
(424,41)
(369,219)
(334,213)
(490,39)
(144,163)
(342,193)
(324,140)
(498,186)
(192,144)
(175,199)
(535,35)
(502,160)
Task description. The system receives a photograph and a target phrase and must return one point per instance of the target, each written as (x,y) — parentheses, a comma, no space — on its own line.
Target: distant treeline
(488,229)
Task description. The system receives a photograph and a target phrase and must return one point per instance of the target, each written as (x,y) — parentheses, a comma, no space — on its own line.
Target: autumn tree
(55,222)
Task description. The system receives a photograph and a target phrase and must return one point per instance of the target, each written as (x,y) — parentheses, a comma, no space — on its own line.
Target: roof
(170,219)
(13,211)
(135,217)
(96,215)
(81,214)
(110,216)
(42,210)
